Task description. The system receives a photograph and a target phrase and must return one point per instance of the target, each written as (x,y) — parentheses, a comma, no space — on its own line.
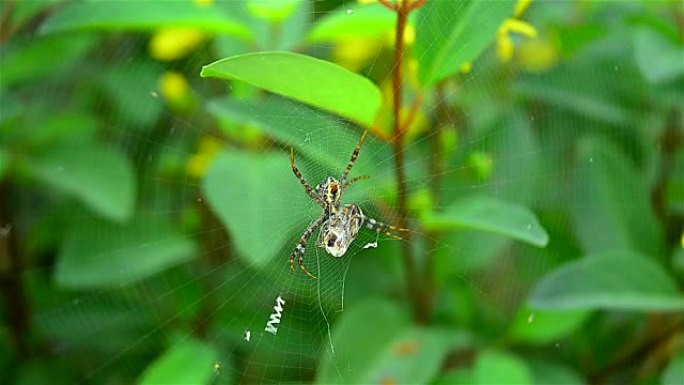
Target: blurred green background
(148,213)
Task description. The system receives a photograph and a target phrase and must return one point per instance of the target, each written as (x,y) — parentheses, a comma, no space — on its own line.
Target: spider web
(234,297)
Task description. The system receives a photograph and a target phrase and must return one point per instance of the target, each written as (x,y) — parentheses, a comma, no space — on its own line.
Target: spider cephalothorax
(330,191)
(339,225)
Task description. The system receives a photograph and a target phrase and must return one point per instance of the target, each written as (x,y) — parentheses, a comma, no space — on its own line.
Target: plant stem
(11,286)
(413,286)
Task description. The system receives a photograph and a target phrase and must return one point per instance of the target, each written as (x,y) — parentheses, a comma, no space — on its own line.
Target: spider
(339,224)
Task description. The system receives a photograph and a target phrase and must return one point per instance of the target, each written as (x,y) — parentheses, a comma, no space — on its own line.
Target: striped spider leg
(300,249)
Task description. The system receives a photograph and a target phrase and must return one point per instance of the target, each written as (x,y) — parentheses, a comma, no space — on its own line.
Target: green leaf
(131,88)
(25,61)
(187,362)
(674,372)
(98,176)
(461,376)
(493,367)
(141,15)
(545,326)
(60,128)
(375,344)
(98,254)
(353,22)
(304,129)
(358,339)
(614,280)
(451,33)
(415,356)
(658,57)
(616,211)
(492,215)
(117,318)
(551,373)
(24,11)
(601,87)
(309,80)
(273,11)
(247,191)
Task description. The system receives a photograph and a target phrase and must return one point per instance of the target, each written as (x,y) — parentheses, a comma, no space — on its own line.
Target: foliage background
(147,212)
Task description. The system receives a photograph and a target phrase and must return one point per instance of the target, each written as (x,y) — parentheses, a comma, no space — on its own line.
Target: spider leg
(300,249)
(380,227)
(355,154)
(309,190)
(356,179)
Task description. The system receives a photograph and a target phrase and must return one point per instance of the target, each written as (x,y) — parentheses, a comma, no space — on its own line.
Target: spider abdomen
(340,230)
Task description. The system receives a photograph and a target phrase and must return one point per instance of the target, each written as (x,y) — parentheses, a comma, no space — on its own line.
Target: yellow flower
(207,148)
(355,53)
(174,43)
(537,55)
(520,7)
(204,3)
(409,36)
(173,86)
(504,42)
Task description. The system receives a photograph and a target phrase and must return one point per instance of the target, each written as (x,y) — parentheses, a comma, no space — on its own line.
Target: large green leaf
(545,372)
(98,254)
(313,81)
(615,210)
(414,356)
(359,338)
(544,326)
(186,362)
(451,33)
(492,215)
(494,367)
(130,88)
(308,131)
(374,344)
(597,85)
(98,176)
(352,22)
(658,57)
(615,280)
(259,200)
(674,372)
(141,15)
(273,11)
(25,61)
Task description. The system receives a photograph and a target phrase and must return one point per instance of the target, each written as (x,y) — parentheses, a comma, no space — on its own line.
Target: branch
(413,287)
(387,4)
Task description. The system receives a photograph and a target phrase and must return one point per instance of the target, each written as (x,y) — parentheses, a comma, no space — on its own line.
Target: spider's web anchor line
(275,316)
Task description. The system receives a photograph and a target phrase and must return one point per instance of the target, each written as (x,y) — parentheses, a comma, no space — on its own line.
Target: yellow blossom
(204,3)
(355,53)
(537,55)
(466,67)
(173,86)
(504,42)
(207,148)
(174,43)
(409,35)
(520,7)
